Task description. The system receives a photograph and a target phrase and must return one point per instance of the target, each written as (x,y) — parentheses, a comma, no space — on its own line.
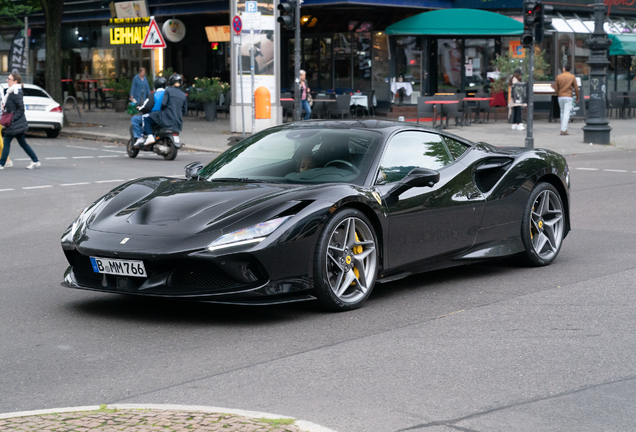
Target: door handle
(474,195)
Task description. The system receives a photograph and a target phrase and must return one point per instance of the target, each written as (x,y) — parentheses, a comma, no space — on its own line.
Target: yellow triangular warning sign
(154,38)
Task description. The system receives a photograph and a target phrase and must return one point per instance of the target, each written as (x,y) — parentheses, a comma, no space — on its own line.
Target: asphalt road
(489,347)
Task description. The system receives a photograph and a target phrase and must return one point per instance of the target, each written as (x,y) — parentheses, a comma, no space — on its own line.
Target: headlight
(254,234)
(83,217)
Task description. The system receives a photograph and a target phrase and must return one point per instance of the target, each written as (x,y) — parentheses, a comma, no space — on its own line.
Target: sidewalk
(150,418)
(199,134)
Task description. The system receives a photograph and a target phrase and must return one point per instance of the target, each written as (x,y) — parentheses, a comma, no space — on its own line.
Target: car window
(456,148)
(34,92)
(408,150)
(299,155)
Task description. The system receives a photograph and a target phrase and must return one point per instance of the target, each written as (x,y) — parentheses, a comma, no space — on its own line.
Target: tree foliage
(12,12)
(507,66)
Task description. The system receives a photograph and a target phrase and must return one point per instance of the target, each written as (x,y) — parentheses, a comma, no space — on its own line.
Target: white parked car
(42,112)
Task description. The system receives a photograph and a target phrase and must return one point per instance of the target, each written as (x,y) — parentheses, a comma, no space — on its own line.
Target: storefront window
(342,60)
(380,55)
(103,63)
(324,73)
(479,54)
(362,62)
(408,62)
(310,63)
(449,65)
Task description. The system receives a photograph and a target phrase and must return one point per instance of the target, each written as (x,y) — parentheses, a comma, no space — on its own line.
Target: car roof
(4,85)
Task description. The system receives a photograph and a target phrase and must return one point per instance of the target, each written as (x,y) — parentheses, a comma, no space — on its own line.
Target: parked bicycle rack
(75,105)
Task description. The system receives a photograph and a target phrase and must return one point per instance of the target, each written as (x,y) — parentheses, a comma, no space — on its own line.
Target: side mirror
(417,177)
(192,169)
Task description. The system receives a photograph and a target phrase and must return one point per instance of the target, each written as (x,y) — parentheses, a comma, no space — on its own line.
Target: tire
(131,149)
(346,261)
(172,150)
(542,226)
(53,133)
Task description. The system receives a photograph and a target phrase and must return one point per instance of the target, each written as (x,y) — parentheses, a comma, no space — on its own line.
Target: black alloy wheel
(543,226)
(346,261)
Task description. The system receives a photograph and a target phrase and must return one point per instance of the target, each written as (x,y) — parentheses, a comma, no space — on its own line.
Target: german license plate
(36,107)
(118,267)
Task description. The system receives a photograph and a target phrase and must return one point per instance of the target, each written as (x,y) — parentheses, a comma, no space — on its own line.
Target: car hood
(178,208)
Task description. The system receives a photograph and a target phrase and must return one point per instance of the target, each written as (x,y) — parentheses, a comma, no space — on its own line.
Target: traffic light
(528,23)
(286,15)
(541,20)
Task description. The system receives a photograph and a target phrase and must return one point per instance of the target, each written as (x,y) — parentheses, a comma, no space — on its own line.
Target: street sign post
(237,25)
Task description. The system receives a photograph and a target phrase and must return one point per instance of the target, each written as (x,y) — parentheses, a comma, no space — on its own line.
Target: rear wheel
(346,261)
(172,150)
(543,226)
(53,133)
(131,149)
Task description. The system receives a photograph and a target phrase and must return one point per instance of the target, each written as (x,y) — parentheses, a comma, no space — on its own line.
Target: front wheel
(346,261)
(172,151)
(542,226)
(131,149)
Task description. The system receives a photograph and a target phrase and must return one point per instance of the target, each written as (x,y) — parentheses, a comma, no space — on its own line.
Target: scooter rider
(152,103)
(173,107)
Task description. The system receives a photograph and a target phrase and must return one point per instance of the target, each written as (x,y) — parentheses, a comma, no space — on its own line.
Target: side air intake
(488,173)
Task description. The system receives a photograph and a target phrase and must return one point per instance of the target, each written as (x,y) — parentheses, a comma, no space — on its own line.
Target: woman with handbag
(305,96)
(14,121)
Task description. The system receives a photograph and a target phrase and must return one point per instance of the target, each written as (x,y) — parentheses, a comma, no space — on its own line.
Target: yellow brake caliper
(531,237)
(356,250)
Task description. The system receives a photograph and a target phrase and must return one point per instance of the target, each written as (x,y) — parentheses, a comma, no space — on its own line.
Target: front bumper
(233,279)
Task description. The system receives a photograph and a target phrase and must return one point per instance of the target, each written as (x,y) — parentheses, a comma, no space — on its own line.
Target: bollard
(263,103)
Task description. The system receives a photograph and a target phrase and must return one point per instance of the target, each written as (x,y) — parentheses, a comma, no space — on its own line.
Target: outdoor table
(87,83)
(439,102)
(476,99)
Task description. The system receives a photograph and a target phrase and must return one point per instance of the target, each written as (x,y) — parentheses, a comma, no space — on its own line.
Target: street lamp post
(596,129)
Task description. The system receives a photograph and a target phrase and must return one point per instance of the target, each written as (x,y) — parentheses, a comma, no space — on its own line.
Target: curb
(305,425)
(117,139)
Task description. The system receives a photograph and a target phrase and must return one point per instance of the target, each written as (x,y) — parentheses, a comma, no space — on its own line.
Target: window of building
(342,61)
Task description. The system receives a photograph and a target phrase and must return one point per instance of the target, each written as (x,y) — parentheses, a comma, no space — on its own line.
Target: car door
(428,222)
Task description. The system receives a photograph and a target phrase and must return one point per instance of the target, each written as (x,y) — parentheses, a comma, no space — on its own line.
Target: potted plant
(208,91)
(120,89)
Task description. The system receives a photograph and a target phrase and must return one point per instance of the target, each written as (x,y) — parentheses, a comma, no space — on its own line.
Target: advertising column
(266,64)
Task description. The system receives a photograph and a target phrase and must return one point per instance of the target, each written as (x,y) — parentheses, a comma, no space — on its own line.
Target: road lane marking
(613,170)
(588,169)
(75,184)
(83,157)
(37,187)
(55,158)
(109,181)
(108,156)
(6,190)
(80,147)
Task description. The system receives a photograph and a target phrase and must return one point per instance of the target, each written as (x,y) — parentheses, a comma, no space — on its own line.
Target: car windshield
(298,155)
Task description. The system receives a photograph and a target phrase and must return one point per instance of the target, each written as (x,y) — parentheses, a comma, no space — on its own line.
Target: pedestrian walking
(563,86)
(305,96)
(140,89)
(517,123)
(13,102)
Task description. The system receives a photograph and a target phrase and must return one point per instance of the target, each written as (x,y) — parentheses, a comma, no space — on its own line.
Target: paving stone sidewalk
(145,420)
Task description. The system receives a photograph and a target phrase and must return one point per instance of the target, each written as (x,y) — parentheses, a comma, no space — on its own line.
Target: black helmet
(160,82)
(174,80)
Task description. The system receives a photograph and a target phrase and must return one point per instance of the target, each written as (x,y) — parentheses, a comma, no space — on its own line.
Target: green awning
(457,22)
(622,44)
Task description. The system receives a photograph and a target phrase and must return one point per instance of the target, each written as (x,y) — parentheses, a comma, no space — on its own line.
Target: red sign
(237,24)
(154,38)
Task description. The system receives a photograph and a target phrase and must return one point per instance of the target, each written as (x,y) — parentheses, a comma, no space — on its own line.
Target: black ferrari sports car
(321,210)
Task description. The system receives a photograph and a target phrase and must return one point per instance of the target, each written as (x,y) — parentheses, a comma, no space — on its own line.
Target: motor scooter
(167,144)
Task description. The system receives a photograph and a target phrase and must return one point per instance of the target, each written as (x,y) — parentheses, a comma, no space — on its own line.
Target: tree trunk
(53,74)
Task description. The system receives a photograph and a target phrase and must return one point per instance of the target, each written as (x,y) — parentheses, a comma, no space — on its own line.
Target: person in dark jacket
(152,103)
(13,102)
(173,107)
